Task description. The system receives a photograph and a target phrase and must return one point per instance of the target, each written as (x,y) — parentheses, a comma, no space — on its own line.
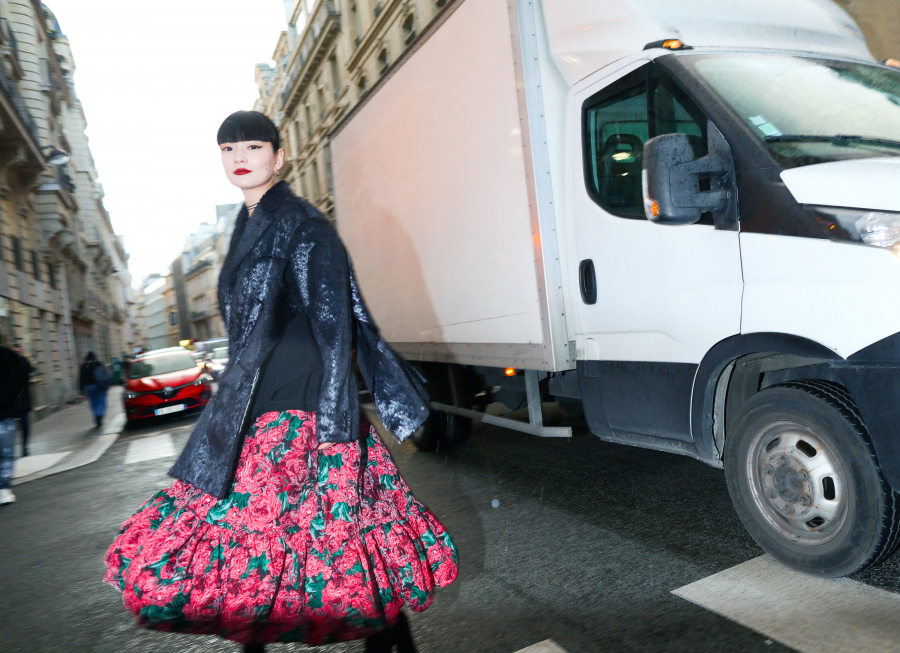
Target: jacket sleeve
(320,267)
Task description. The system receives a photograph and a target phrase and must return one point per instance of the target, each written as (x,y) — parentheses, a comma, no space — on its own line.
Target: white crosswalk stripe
(804,612)
(547,646)
(150,448)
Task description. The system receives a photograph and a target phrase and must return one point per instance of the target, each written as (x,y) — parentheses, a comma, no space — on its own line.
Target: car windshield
(160,365)
(808,110)
(220,354)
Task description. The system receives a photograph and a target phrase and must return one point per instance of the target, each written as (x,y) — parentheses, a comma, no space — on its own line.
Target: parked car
(163,382)
(217,362)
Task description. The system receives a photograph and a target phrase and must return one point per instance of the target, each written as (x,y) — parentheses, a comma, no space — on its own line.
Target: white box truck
(680,215)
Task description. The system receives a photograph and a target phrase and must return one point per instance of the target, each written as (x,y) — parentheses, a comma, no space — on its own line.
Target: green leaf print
(259,564)
(283,497)
(387,482)
(316,526)
(240,500)
(295,425)
(429,539)
(219,511)
(327,463)
(357,568)
(157,566)
(314,587)
(341,511)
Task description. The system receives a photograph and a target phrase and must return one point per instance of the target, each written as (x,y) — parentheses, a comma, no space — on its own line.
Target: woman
(93,380)
(303,530)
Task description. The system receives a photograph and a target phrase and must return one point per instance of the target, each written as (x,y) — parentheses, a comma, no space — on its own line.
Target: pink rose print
(284,557)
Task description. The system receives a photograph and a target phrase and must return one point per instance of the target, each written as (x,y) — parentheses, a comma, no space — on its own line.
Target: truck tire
(442,431)
(805,482)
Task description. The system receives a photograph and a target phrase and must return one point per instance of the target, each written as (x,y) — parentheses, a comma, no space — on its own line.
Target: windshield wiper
(838,139)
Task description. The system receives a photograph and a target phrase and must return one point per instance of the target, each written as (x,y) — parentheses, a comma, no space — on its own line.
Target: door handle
(588,281)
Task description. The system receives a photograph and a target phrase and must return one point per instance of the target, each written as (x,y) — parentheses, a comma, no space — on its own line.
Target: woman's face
(250,164)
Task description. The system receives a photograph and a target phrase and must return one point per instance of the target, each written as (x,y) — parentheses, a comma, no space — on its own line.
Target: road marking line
(33,464)
(806,613)
(150,448)
(547,646)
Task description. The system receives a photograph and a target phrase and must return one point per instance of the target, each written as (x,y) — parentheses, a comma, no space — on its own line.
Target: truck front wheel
(805,481)
(442,431)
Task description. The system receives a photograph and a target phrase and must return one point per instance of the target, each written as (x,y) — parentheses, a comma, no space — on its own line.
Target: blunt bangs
(249,126)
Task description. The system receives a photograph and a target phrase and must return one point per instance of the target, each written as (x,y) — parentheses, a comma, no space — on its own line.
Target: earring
(278,173)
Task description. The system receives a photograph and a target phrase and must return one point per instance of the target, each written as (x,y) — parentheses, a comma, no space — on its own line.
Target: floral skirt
(309,546)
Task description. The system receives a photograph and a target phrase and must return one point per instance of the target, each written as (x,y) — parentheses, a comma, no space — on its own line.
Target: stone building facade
(64,284)
(331,54)
(189,301)
(333,51)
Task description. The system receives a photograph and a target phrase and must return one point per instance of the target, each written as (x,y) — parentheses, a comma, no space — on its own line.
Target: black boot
(399,635)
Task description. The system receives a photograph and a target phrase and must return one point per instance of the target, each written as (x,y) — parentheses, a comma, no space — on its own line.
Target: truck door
(654,298)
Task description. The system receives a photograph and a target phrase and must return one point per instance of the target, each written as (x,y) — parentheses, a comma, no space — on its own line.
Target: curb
(84,456)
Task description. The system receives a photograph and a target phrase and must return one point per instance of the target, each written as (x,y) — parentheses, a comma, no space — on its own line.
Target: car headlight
(203,379)
(131,395)
(875,228)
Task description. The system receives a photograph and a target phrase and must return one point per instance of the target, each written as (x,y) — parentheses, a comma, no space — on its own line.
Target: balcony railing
(9,88)
(327,17)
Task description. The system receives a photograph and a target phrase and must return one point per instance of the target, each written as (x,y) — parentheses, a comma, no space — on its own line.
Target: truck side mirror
(671,181)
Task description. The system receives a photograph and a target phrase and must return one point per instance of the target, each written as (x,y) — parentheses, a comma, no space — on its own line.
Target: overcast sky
(156,79)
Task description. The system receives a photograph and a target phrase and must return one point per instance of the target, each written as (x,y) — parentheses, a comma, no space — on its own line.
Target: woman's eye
(253,147)
(226,149)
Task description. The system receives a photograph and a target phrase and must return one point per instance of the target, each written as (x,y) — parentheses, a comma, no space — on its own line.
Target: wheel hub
(798,482)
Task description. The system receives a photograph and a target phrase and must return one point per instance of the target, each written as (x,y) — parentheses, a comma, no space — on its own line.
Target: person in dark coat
(23,406)
(93,380)
(288,520)
(13,382)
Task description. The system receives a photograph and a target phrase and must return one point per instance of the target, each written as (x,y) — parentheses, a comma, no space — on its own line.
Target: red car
(165,381)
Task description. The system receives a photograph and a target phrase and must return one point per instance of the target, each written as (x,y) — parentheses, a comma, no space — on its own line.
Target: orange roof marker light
(668,44)
(510,371)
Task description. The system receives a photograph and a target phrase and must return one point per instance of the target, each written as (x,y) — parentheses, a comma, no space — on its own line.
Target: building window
(35,265)
(357,26)
(308,113)
(51,275)
(18,262)
(378,8)
(314,182)
(361,85)
(382,61)
(173,318)
(303,191)
(440,3)
(409,29)
(320,99)
(335,75)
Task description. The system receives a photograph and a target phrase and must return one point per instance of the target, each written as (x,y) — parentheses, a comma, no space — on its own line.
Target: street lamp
(56,156)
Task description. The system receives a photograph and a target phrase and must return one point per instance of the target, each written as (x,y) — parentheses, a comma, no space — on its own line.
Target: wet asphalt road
(584,547)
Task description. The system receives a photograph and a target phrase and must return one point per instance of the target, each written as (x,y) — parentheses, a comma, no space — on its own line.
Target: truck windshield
(808,110)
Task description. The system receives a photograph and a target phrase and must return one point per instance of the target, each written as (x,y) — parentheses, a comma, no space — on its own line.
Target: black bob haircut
(249,126)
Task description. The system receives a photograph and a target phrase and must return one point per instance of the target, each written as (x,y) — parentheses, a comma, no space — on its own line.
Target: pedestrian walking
(288,520)
(93,379)
(13,382)
(23,406)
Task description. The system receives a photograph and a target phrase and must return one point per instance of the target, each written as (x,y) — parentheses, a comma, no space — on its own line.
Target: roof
(586,35)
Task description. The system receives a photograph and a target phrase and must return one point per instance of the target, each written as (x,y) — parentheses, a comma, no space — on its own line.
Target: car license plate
(169,409)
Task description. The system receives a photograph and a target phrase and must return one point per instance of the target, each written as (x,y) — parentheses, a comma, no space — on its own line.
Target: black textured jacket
(287,235)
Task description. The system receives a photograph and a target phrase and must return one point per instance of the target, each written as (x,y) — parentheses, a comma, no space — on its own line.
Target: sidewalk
(68,439)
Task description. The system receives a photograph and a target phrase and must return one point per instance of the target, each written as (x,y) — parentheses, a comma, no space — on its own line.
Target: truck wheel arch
(707,405)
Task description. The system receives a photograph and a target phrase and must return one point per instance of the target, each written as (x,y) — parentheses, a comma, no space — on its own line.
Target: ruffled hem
(323,569)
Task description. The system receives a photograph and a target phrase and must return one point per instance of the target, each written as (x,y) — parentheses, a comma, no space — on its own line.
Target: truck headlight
(875,228)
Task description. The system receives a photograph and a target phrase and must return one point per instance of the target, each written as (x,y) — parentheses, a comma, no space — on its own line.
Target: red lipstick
(242,171)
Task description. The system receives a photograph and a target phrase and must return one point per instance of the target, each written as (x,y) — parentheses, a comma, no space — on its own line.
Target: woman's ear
(279,159)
